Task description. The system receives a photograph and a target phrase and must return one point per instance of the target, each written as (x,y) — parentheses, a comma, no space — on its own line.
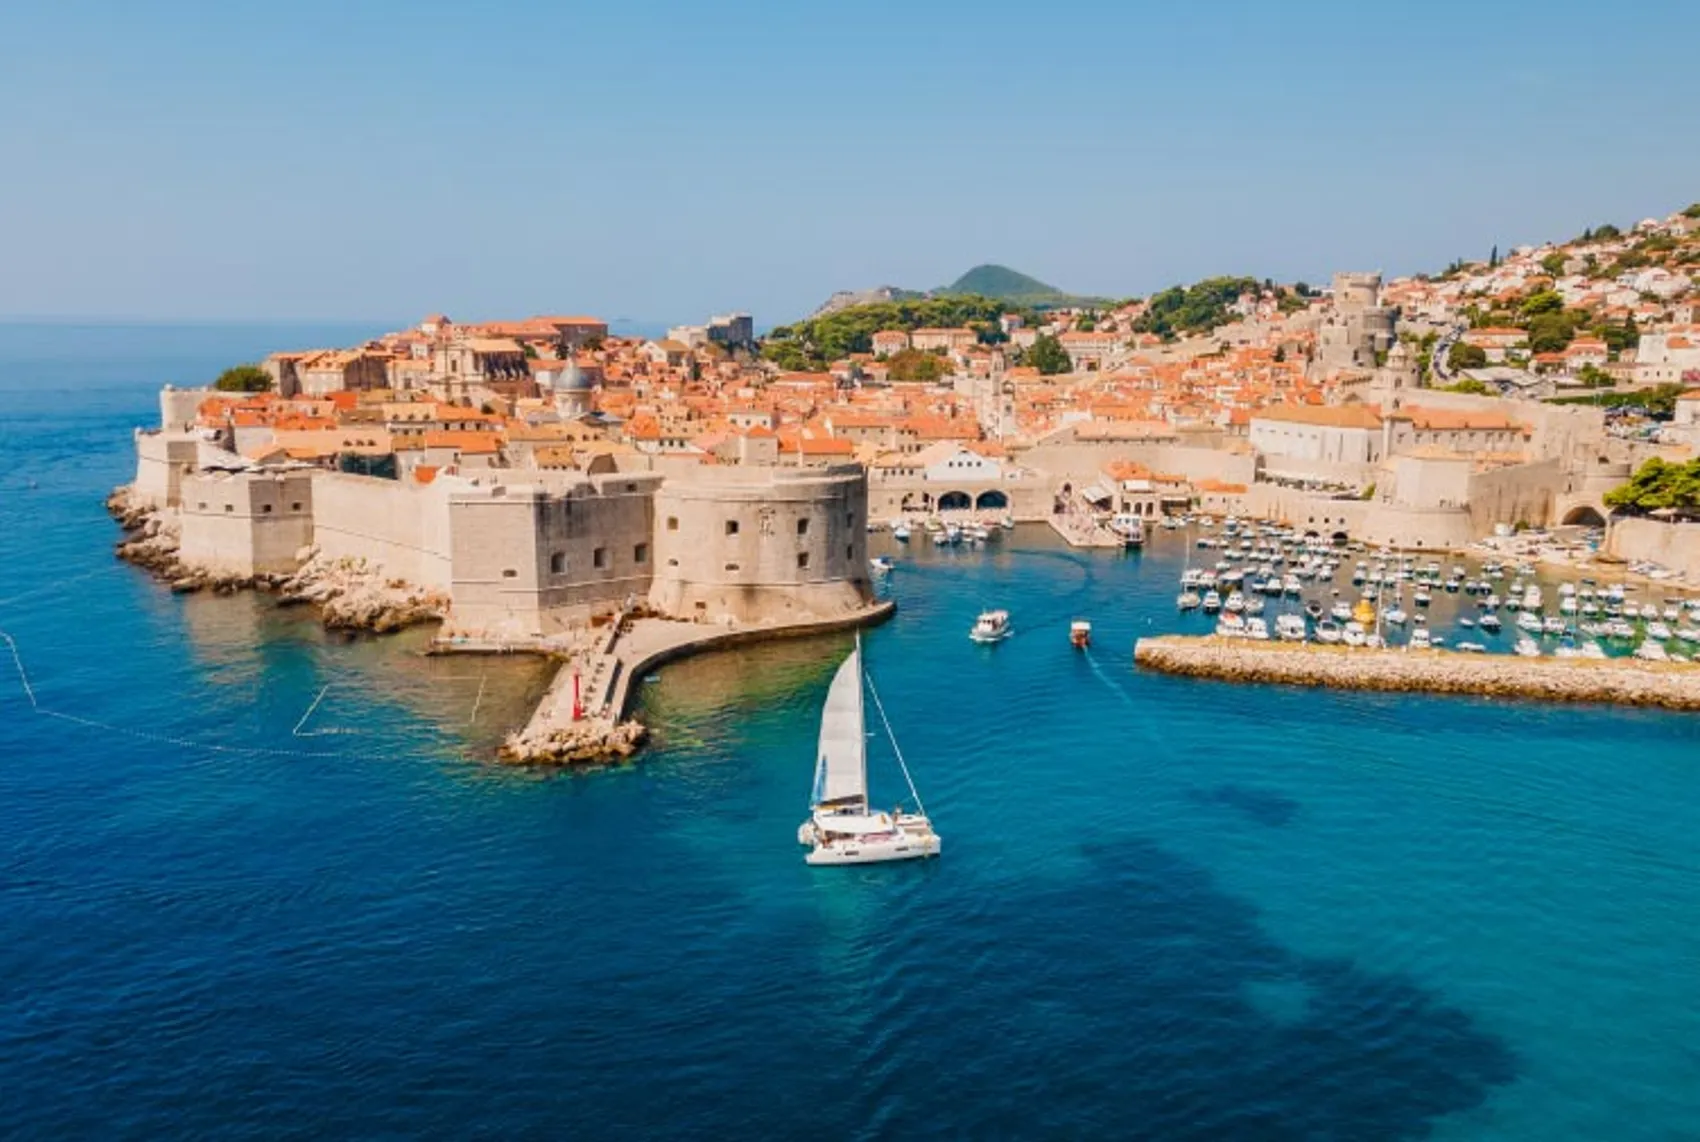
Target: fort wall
(761,545)
(246,524)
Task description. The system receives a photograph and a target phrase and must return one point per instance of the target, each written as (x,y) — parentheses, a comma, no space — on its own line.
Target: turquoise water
(1166,908)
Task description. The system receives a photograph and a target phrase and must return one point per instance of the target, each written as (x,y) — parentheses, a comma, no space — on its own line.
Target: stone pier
(1617,681)
(620,658)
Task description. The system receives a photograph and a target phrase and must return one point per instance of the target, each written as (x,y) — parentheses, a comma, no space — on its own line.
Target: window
(672,563)
(802,559)
(850,554)
(558,563)
(631,487)
(731,527)
(509,573)
(265,509)
(640,553)
(599,557)
(672,523)
(803,526)
(731,567)
(296,506)
(229,507)
(202,505)
(849,519)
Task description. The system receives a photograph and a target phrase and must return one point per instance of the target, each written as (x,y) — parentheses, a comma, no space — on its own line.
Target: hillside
(815,342)
(1005,284)
(845,298)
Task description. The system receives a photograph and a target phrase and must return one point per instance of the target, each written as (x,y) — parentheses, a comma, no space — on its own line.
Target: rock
(579,743)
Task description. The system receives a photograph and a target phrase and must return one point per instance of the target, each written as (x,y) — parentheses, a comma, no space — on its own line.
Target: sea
(262,881)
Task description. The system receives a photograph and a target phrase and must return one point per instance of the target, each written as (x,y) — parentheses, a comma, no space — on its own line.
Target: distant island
(998,283)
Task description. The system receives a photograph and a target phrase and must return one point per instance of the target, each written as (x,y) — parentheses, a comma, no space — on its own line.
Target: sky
(655,163)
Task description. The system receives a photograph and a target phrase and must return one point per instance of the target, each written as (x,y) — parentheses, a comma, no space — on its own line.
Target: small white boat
(881,564)
(1353,634)
(842,827)
(1420,639)
(1290,628)
(1652,652)
(1212,602)
(1529,621)
(991,626)
(1188,601)
(1527,647)
(1257,630)
(900,533)
(1471,648)
(1395,615)
(1490,622)
(1328,631)
(1080,634)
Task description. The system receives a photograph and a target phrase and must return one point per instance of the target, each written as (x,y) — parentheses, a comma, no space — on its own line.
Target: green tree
(1542,301)
(1463,355)
(1493,258)
(1606,233)
(917,365)
(1692,212)
(1550,333)
(1658,485)
(1553,263)
(1197,308)
(1048,356)
(1468,385)
(243,379)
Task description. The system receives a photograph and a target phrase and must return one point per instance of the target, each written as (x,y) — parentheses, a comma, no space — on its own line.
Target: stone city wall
(400,527)
(1673,545)
(246,524)
(535,559)
(762,545)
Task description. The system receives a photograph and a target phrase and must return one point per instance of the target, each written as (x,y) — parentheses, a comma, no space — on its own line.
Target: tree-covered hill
(816,342)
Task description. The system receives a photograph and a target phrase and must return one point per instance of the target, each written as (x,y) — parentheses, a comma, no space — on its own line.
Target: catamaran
(842,828)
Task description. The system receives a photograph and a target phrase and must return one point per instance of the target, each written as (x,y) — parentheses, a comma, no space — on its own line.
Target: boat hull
(863,850)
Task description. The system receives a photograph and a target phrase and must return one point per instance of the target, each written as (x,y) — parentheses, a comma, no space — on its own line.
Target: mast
(895,748)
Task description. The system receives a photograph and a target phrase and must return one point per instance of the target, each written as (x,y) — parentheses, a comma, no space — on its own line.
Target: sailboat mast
(861,721)
(895,748)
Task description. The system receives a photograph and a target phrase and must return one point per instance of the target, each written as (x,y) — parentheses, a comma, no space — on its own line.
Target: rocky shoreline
(349,594)
(587,742)
(1623,682)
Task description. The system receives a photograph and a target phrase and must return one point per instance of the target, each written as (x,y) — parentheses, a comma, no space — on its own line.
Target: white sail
(841,771)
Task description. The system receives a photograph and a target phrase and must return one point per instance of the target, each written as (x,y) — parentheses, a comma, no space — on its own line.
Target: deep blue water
(1166,909)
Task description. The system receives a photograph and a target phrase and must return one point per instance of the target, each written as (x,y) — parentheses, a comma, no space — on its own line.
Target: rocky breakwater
(349,593)
(593,740)
(1629,682)
(353,595)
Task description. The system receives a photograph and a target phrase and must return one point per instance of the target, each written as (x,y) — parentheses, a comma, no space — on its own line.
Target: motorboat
(1230,625)
(1421,639)
(881,564)
(1290,628)
(1529,621)
(1490,622)
(991,626)
(1395,615)
(1341,612)
(1328,631)
(1527,647)
(1257,630)
(843,828)
(900,533)
(1353,634)
(1080,634)
(1212,602)
(1313,609)
(1188,601)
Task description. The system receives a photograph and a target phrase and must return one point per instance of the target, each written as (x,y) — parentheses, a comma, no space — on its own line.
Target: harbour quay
(1615,681)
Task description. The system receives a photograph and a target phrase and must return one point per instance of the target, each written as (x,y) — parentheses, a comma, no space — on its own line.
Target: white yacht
(1420,639)
(1290,628)
(991,626)
(1527,647)
(842,828)
(900,533)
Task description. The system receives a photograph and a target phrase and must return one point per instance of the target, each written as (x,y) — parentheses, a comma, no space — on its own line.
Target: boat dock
(1616,681)
(582,716)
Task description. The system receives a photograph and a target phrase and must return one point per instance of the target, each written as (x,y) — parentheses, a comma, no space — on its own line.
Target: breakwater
(1628,682)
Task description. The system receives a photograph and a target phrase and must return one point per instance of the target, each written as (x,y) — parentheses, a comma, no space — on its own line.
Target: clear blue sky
(381,159)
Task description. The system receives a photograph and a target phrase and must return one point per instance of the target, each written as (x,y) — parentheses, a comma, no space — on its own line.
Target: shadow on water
(1263,806)
(1135,1004)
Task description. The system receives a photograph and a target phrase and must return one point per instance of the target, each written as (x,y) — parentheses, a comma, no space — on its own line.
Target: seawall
(1622,681)
(606,678)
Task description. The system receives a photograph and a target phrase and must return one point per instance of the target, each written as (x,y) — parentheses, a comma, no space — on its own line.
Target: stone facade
(247,524)
(762,544)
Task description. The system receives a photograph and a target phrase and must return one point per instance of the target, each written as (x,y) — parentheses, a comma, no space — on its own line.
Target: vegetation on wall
(816,342)
(243,379)
(1197,308)
(1659,485)
(916,365)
